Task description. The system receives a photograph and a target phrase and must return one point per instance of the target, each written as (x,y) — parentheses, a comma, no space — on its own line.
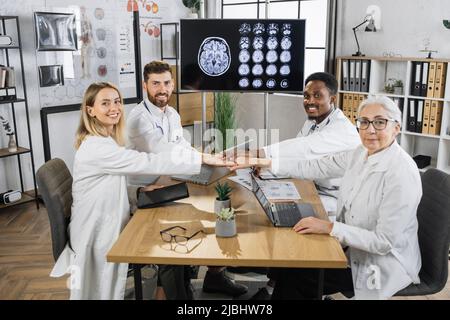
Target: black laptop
(281,214)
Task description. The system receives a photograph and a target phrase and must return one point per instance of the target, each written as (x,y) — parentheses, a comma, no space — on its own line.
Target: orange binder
(355,107)
(344,103)
(361,99)
(426,117)
(439,80)
(431,76)
(435,117)
(350,107)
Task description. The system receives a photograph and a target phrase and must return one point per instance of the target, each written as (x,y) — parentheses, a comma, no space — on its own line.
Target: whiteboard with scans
(242,55)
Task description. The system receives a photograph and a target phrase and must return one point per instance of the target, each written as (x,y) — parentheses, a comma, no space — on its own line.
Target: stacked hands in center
(240,160)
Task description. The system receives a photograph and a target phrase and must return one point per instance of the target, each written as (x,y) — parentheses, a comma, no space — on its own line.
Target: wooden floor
(26,257)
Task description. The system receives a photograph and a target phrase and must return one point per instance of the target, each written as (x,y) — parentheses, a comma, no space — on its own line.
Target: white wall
(286,113)
(405,26)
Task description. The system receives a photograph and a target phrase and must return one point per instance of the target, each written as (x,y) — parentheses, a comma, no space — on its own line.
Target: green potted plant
(224,120)
(398,86)
(194,5)
(389,86)
(226,223)
(223,197)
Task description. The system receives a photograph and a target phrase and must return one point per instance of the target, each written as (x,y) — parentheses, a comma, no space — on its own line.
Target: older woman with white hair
(376,218)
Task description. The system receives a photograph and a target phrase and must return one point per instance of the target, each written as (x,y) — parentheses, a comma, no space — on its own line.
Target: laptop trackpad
(306,210)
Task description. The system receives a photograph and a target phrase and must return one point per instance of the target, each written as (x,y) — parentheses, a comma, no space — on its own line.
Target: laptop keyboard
(287,213)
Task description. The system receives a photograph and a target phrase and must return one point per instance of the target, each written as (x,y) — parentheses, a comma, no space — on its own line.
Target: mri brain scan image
(244,56)
(244,43)
(272,29)
(285,70)
(259,28)
(271,70)
(214,57)
(244,69)
(271,56)
(284,83)
(271,83)
(286,29)
(258,56)
(272,43)
(245,28)
(286,43)
(257,70)
(257,83)
(285,56)
(258,43)
(244,83)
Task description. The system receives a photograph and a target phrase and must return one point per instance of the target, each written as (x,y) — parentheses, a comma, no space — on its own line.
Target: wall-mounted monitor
(242,55)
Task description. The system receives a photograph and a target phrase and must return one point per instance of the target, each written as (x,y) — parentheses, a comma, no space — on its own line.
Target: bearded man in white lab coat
(154,126)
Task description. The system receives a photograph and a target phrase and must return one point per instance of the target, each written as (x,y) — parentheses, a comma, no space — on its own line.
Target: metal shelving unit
(13,21)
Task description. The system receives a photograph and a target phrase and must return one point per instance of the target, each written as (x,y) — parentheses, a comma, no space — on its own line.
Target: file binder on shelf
(345,75)
(431,76)
(355,107)
(439,80)
(426,117)
(352,74)
(416,84)
(344,105)
(350,107)
(419,118)
(357,75)
(365,75)
(411,126)
(435,117)
(424,86)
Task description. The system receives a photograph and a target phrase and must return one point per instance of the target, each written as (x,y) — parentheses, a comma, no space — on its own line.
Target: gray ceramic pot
(219,205)
(225,228)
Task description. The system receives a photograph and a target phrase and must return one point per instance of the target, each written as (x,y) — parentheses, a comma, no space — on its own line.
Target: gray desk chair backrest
(55,185)
(433,215)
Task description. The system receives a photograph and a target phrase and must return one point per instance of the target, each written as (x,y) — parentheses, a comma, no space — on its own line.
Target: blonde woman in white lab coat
(100,208)
(376,217)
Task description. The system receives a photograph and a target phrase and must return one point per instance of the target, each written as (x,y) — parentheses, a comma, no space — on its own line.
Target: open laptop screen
(262,199)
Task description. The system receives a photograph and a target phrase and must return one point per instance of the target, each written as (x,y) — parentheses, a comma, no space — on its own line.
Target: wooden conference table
(257,244)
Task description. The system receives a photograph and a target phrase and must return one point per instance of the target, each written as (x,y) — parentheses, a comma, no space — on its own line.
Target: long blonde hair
(90,125)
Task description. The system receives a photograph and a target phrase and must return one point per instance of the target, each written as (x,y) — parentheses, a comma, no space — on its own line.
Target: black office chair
(433,215)
(55,185)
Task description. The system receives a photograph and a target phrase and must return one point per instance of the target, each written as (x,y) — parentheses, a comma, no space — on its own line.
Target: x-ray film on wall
(55,31)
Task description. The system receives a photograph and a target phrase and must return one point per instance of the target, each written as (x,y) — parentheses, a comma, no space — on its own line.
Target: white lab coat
(334,134)
(100,210)
(377,215)
(151,130)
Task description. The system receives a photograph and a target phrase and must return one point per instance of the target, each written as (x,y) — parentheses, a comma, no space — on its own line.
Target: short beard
(158,103)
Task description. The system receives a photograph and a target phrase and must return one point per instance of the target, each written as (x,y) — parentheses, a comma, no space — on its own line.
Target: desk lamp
(370,28)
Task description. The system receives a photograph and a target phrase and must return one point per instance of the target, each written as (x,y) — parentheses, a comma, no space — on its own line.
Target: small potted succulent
(223,197)
(398,87)
(226,223)
(394,86)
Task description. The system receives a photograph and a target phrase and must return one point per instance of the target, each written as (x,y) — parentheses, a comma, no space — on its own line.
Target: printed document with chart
(279,190)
